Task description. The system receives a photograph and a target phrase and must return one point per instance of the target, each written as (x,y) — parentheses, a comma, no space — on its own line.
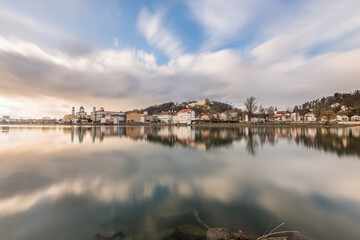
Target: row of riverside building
(184,116)
(187,116)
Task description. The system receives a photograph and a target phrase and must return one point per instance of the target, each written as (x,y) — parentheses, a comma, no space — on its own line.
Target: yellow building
(69,118)
(135,117)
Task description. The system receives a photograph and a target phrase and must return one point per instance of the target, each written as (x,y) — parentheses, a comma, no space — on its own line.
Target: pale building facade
(185,116)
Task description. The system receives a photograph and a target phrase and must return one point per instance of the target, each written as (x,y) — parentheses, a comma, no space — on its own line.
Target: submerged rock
(217,234)
(110,235)
(189,232)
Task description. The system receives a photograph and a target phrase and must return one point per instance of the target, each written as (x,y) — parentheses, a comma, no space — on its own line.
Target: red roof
(282,112)
(185,110)
(230,111)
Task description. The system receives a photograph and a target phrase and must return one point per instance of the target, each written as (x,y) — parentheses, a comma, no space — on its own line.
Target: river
(63,182)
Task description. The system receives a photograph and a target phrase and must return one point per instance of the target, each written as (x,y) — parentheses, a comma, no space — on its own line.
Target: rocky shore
(192,232)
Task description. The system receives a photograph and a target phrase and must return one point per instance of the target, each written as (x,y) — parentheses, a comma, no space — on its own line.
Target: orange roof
(282,112)
(185,110)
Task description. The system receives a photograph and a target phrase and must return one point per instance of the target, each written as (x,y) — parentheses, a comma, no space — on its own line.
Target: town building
(69,118)
(205,117)
(203,102)
(185,116)
(97,115)
(310,117)
(165,117)
(147,118)
(192,104)
(355,118)
(334,105)
(229,115)
(295,117)
(135,116)
(282,116)
(81,114)
(344,118)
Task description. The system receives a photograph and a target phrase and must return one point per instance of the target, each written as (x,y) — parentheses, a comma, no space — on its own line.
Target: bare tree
(251,106)
(262,111)
(289,110)
(270,111)
(296,111)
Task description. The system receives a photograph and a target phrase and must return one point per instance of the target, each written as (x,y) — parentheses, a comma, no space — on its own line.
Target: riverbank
(214,124)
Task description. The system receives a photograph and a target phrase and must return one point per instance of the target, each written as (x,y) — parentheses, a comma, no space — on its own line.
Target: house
(295,117)
(232,114)
(165,117)
(228,115)
(135,116)
(205,117)
(203,102)
(282,116)
(310,117)
(355,118)
(185,116)
(344,108)
(334,105)
(344,118)
(323,119)
(148,118)
(192,104)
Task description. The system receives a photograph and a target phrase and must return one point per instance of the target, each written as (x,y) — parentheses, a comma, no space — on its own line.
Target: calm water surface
(73,182)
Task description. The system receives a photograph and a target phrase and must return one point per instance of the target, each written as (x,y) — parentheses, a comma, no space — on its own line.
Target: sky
(123,55)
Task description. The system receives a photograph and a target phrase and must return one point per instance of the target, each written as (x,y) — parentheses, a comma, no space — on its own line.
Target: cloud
(125,78)
(222,20)
(316,28)
(151,26)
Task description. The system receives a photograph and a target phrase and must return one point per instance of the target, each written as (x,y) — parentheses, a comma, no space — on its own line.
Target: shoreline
(283,125)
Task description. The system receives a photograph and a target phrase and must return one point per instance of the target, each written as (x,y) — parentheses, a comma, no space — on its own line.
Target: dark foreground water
(73,182)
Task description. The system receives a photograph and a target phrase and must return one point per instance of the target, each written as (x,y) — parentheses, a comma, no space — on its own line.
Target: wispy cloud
(222,20)
(151,25)
(318,26)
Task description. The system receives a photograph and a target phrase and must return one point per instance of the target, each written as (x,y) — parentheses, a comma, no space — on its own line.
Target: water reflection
(72,182)
(342,141)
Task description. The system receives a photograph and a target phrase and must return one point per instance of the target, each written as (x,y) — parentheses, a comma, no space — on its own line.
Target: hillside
(203,106)
(340,103)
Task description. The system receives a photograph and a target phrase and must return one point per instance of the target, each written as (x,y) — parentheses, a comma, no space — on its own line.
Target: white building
(81,114)
(310,117)
(192,104)
(203,102)
(355,118)
(184,116)
(96,115)
(334,105)
(165,117)
(344,118)
(295,117)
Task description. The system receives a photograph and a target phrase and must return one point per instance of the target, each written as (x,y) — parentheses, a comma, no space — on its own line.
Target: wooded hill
(210,107)
(346,103)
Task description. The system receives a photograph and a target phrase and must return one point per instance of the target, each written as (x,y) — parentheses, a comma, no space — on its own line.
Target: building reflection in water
(337,140)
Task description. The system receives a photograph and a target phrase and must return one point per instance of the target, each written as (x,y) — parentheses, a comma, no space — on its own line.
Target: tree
(270,111)
(262,111)
(329,114)
(251,106)
(296,111)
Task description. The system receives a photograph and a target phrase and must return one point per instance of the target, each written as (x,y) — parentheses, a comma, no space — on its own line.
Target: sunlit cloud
(291,51)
